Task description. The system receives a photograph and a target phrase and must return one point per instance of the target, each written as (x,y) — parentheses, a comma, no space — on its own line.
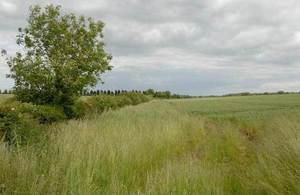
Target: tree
(63,55)
(163,94)
(150,92)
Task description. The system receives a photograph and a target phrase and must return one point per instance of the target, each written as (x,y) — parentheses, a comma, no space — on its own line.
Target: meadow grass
(4,97)
(232,145)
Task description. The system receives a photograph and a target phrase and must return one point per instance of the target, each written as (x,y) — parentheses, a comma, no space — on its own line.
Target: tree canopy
(62,55)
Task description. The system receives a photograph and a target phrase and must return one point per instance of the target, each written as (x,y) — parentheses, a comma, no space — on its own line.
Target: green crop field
(242,107)
(230,145)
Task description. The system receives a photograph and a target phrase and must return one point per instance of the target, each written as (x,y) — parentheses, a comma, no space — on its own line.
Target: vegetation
(244,144)
(230,145)
(265,93)
(4,97)
(21,123)
(149,92)
(24,123)
(63,55)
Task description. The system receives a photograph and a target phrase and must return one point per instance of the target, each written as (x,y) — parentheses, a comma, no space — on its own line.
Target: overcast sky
(196,47)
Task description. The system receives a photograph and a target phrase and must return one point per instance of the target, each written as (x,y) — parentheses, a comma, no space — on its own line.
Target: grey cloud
(166,39)
(203,82)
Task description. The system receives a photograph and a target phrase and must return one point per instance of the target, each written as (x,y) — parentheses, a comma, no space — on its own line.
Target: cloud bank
(186,46)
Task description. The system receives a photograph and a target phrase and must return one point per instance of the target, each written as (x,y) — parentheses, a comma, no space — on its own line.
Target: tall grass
(4,97)
(157,148)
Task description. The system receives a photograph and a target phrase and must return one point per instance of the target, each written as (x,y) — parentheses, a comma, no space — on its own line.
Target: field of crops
(242,107)
(230,145)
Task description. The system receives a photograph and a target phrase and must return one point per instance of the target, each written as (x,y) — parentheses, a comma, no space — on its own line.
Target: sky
(195,47)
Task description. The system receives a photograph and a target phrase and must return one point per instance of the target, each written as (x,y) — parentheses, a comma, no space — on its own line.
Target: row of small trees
(151,92)
(264,93)
(157,94)
(5,91)
(109,92)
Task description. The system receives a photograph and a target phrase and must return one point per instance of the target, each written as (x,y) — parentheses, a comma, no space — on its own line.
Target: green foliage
(136,98)
(103,103)
(44,114)
(63,55)
(17,127)
(124,100)
(245,93)
(163,94)
(21,123)
(80,109)
(150,92)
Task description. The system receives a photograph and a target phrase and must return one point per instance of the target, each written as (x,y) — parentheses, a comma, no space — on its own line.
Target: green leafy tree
(63,55)
(150,92)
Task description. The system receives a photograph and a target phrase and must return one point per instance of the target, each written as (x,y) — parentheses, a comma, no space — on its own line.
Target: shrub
(245,93)
(20,123)
(44,114)
(137,98)
(80,108)
(103,103)
(17,127)
(123,100)
(163,94)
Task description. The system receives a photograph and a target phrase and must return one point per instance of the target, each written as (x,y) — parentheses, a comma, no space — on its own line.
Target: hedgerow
(103,103)
(22,123)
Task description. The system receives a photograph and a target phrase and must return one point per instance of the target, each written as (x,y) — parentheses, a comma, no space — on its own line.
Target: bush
(103,103)
(17,127)
(163,94)
(80,108)
(137,98)
(123,100)
(44,114)
(20,123)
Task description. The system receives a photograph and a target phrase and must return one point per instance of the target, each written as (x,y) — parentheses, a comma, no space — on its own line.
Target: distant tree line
(264,93)
(161,94)
(6,91)
(152,92)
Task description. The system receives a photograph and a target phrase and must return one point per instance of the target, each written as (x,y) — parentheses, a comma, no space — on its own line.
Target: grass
(232,145)
(4,97)
(241,106)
